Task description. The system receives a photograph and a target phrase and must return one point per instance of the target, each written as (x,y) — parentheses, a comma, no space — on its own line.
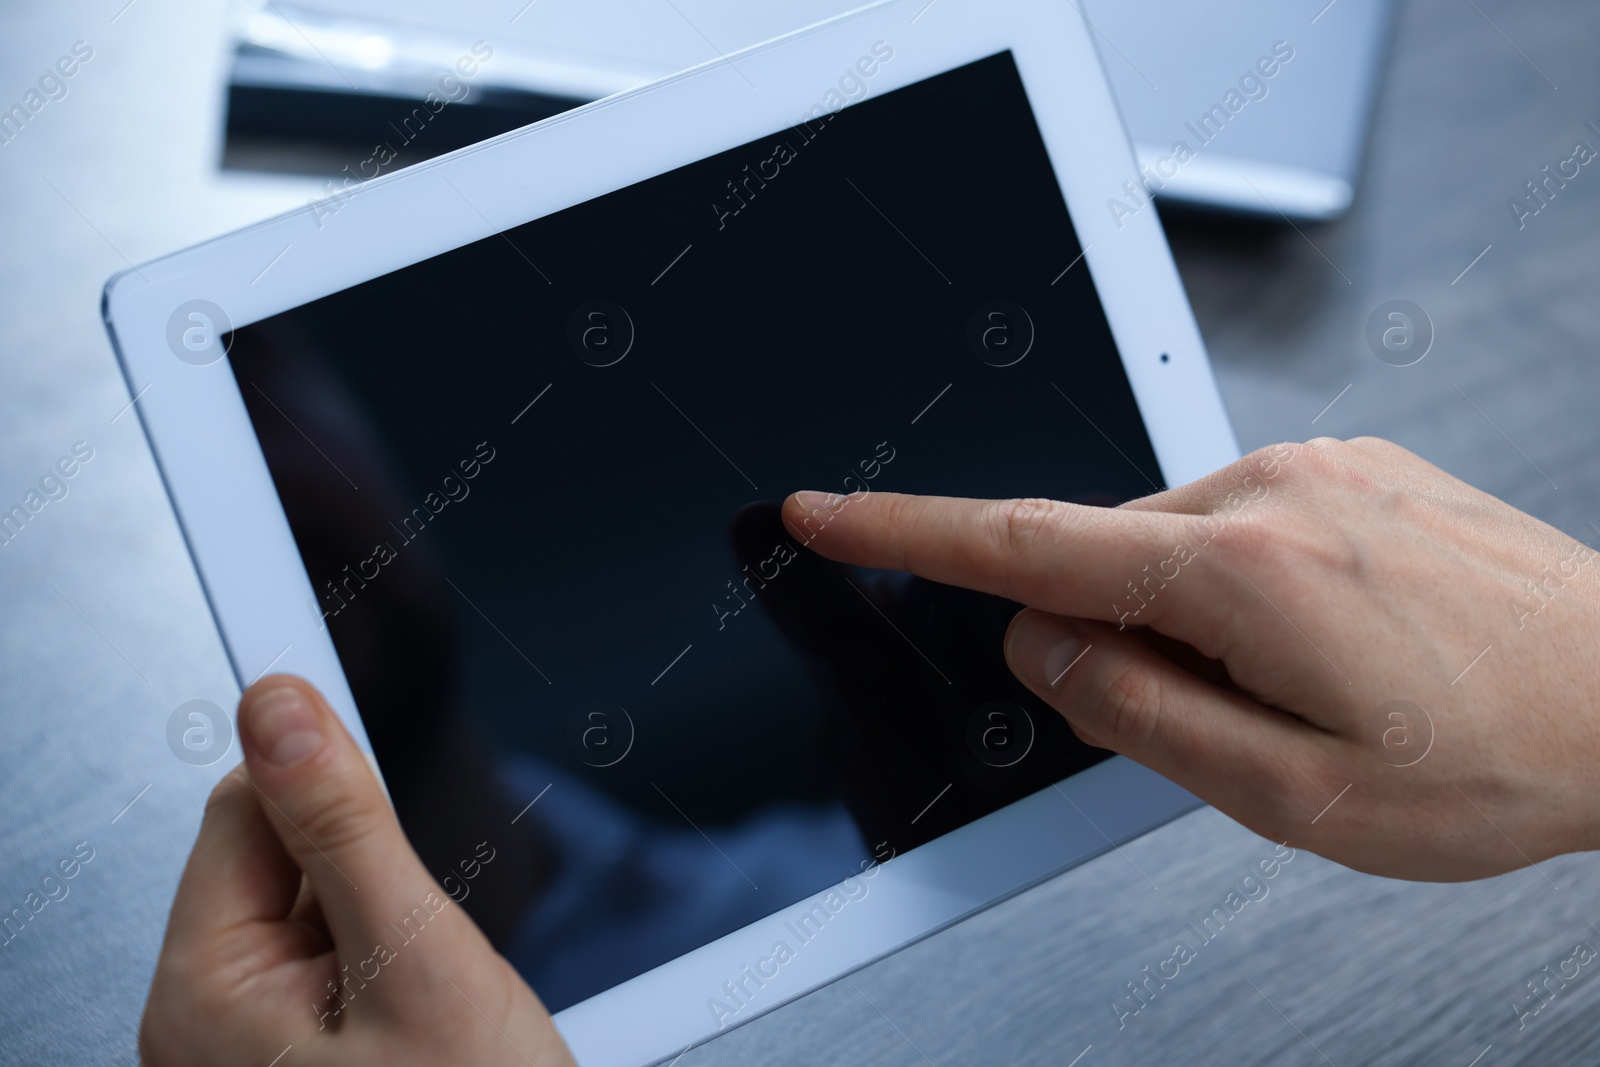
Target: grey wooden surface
(103,630)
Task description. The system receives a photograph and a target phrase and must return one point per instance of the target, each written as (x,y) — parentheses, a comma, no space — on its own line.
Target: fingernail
(283,726)
(1042,648)
(814,501)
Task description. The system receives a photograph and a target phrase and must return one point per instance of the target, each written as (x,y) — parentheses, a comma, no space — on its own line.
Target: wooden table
(103,629)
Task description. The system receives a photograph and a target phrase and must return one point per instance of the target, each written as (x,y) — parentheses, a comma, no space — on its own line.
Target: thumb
(1119,693)
(325,804)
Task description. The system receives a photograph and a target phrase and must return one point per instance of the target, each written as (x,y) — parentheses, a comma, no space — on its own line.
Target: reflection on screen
(621,709)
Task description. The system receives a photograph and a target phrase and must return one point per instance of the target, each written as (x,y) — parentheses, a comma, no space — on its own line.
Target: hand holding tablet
(302,891)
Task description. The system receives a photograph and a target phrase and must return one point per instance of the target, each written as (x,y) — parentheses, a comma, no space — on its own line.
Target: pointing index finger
(1069,559)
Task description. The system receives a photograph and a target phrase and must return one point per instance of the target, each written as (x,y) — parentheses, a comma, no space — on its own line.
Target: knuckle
(1315,475)
(1023,524)
(1308,474)
(1339,463)
(1269,458)
(1331,447)
(1130,707)
(1024,529)
(337,821)
(1311,458)
(897,513)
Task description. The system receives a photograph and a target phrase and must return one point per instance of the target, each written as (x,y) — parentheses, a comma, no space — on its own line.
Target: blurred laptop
(1259,106)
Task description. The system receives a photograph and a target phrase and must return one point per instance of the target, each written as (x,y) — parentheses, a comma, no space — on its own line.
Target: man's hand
(304,918)
(1336,643)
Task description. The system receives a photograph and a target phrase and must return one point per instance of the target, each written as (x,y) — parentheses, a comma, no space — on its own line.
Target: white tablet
(491,451)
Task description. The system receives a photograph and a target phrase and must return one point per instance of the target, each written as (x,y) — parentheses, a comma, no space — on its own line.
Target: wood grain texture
(104,629)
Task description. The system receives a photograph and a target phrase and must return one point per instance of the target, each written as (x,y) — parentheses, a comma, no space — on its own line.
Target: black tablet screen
(534,482)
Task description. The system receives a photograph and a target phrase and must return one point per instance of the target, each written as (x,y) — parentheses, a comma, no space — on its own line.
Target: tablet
(491,451)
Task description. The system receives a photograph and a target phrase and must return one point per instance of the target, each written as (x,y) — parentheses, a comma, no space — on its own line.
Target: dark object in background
(1259,114)
(301,75)
(301,104)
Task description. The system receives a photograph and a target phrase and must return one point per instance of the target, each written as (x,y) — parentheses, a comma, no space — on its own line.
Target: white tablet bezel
(261,595)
